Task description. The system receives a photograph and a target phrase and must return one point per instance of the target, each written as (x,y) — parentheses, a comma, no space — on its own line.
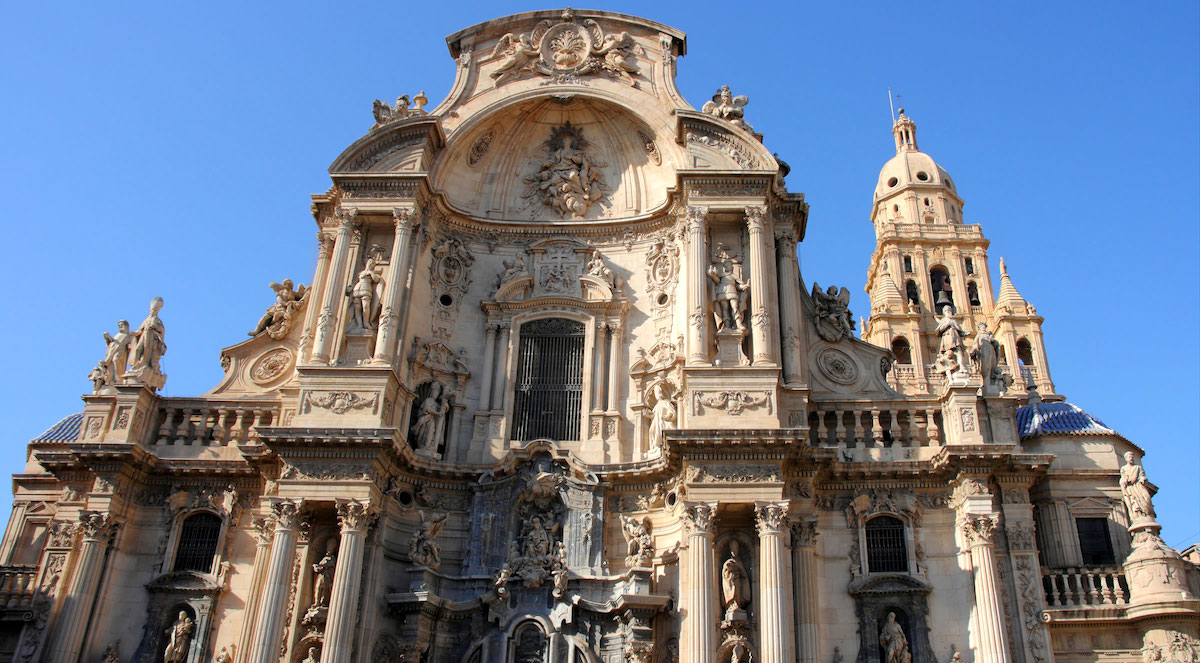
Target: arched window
(886,548)
(901,350)
(973,293)
(1024,352)
(908,263)
(529,644)
(939,281)
(910,290)
(549,388)
(198,538)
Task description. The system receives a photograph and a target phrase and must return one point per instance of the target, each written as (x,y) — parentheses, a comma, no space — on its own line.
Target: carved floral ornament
(340,402)
(564,52)
(978,530)
(733,402)
(770,517)
(732,473)
(699,517)
(270,366)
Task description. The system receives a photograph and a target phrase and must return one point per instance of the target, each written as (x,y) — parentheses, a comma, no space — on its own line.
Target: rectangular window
(970,265)
(1094,541)
(549,389)
(908,264)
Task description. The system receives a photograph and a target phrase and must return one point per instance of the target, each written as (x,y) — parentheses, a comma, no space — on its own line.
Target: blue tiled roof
(66,430)
(1058,419)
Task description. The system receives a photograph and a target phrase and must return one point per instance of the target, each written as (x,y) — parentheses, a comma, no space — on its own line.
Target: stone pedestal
(145,376)
(960,413)
(1157,575)
(360,346)
(729,348)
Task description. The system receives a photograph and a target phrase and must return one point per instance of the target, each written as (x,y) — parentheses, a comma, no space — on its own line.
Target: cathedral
(557,392)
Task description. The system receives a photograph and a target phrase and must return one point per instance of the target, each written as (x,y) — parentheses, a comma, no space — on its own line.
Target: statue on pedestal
(597,268)
(116,356)
(641,546)
(148,341)
(662,416)
(366,293)
(834,321)
(179,637)
(430,416)
(735,585)
(729,291)
(893,642)
(323,576)
(951,346)
(986,354)
(1136,489)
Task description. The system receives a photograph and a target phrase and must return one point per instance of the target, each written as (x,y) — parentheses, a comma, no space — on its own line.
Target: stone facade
(556,392)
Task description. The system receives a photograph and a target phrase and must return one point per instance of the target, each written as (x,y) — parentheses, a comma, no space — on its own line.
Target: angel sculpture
(728,107)
(422,549)
(277,321)
(618,58)
(519,55)
(384,113)
(641,546)
(834,321)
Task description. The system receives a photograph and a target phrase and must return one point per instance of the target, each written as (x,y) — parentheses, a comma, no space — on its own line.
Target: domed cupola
(912,187)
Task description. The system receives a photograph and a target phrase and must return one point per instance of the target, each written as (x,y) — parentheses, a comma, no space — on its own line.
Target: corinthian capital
(354,515)
(804,533)
(287,513)
(698,517)
(770,517)
(264,527)
(694,218)
(96,526)
(979,530)
(756,217)
(347,216)
(405,218)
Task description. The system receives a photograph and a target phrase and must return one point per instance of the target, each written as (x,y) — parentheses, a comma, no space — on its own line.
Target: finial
(568,15)
(1003,267)
(1032,397)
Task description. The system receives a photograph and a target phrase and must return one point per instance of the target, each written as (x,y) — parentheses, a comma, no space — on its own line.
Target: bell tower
(926,260)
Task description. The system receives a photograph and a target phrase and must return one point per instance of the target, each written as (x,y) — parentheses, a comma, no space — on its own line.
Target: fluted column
(789,303)
(978,533)
(500,375)
(67,638)
(273,604)
(489,362)
(354,517)
(316,294)
(616,368)
(699,596)
(332,296)
(760,317)
(804,568)
(599,344)
(775,583)
(262,534)
(697,285)
(395,290)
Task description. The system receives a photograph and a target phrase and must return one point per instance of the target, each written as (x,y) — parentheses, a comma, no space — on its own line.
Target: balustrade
(17,583)
(866,425)
(1085,586)
(183,422)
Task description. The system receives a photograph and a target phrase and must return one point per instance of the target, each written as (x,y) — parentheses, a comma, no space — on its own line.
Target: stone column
(277,582)
(789,303)
(760,316)
(775,584)
(489,363)
(599,343)
(616,369)
(699,595)
(395,290)
(804,570)
(697,286)
(66,641)
(335,285)
(262,533)
(316,294)
(978,532)
(354,517)
(499,378)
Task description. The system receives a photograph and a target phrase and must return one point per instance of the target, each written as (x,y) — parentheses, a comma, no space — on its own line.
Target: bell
(943,300)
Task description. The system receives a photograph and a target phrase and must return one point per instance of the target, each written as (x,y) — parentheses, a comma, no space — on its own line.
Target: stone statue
(957,658)
(148,341)
(729,291)
(225,655)
(513,268)
(366,293)
(641,546)
(430,416)
(735,583)
(423,550)
(986,354)
(837,655)
(597,268)
(99,378)
(278,319)
(116,356)
(834,321)
(1136,489)
(323,575)
(313,656)
(893,642)
(662,416)
(519,54)
(537,539)
(728,107)
(569,180)
(558,571)
(385,113)
(951,333)
(179,637)
(110,654)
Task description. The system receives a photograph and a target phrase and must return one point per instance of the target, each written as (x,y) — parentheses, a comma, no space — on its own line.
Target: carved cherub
(519,54)
(423,549)
(277,320)
(637,534)
(834,321)
(728,107)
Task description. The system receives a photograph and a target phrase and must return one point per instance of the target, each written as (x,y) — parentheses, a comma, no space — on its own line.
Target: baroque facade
(557,392)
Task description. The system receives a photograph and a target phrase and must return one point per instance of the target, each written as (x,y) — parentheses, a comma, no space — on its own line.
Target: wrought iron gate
(549,388)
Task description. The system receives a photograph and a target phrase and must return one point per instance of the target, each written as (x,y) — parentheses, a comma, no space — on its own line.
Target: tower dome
(912,171)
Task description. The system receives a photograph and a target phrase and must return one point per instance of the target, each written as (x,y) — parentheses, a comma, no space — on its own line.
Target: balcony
(17,583)
(1085,587)
(880,424)
(191,421)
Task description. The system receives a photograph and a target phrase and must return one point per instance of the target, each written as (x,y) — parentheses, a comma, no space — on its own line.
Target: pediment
(407,145)
(889,583)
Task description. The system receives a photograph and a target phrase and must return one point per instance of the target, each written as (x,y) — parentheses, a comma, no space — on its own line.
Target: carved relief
(1021,536)
(564,52)
(652,152)
(340,402)
(281,316)
(637,534)
(728,107)
(450,275)
(569,179)
(833,317)
(732,473)
(1028,586)
(480,147)
(733,402)
(423,548)
(978,530)
(837,366)
(270,366)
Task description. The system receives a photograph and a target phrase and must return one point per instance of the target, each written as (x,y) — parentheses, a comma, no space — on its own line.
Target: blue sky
(169,149)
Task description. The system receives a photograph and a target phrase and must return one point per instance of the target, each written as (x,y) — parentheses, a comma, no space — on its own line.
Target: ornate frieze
(732,402)
(740,473)
(565,52)
(1021,535)
(340,402)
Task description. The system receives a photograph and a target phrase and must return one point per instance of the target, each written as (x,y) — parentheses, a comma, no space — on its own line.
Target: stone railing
(931,231)
(17,583)
(1085,586)
(1028,373)
(192,421)
(878,424)
(904,371)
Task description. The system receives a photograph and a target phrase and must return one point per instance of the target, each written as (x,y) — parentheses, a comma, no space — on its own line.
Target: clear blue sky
(169,149)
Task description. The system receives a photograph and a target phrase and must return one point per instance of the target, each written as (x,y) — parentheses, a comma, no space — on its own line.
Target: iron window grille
(887,551)
(198,538)
(549,387)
